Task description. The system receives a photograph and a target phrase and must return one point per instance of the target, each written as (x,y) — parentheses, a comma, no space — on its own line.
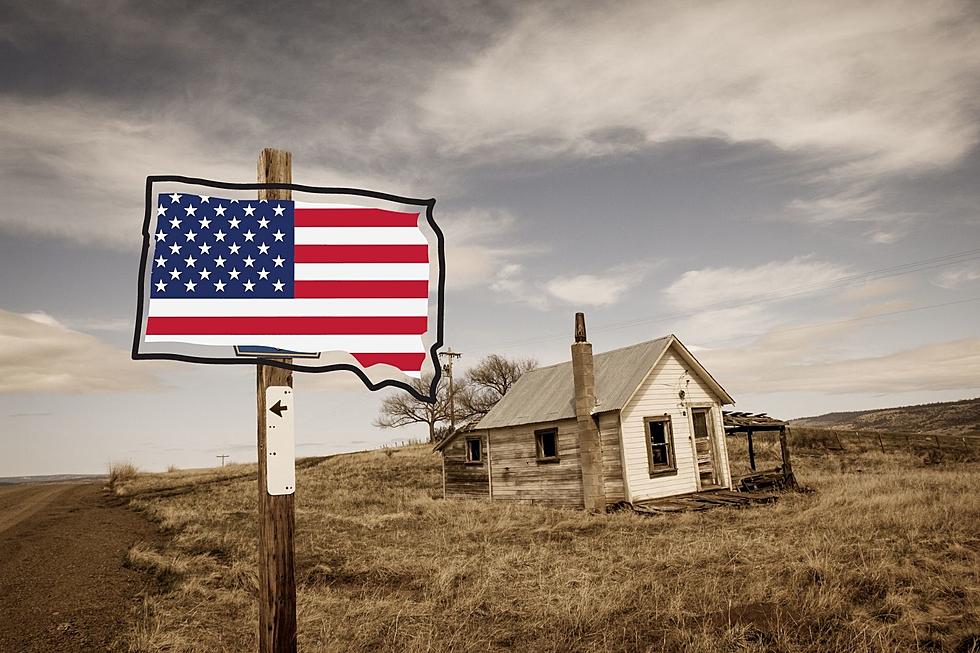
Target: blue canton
(212,248)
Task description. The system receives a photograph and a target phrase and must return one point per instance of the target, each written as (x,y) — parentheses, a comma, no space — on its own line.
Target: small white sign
(280,440)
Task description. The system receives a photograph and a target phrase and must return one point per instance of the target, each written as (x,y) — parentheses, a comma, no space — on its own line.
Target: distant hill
(946,418)
(51,478)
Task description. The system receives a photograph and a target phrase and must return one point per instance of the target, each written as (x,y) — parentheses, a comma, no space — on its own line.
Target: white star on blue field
(210,247)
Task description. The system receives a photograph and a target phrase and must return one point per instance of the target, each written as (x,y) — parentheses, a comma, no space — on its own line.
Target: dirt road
(63,586)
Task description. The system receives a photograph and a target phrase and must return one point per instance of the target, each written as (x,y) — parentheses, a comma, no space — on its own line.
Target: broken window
(547,445)
(660,445)
(474,450)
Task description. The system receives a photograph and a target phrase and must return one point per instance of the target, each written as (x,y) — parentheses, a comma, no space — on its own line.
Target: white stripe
(360,236)
(408,307)
(362,271)
(321,205)
(397,344)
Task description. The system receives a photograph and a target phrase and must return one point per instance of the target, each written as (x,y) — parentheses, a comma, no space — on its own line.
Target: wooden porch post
(751,451)
(784,450)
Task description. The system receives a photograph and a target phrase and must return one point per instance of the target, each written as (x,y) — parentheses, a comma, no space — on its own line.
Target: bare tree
(490,380)
(402,408)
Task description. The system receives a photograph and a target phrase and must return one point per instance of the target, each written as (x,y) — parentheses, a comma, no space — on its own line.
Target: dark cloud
(236,68)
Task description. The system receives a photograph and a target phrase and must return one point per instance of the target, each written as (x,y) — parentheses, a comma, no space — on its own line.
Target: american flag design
(292,276)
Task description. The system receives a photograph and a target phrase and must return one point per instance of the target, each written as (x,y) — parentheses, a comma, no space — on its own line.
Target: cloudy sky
(790,188)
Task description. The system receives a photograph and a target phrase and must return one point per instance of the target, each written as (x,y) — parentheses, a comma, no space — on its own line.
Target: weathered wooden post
(881,443)
(272,317)
(840,445)
(277,582)
(751,451)
(788,477)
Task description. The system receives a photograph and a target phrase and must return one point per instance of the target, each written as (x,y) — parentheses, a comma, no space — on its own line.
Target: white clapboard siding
(658,395)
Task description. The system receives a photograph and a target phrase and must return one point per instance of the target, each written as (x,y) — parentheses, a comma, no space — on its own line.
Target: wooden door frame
(708,406)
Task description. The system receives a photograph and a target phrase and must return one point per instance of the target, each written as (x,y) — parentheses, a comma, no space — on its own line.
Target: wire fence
(804,441)
(885,441)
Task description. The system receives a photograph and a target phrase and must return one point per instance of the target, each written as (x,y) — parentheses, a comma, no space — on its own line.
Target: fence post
(880,443)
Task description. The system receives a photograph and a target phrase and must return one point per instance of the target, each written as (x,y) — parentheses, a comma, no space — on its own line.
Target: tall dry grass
(120,473)
(882,556)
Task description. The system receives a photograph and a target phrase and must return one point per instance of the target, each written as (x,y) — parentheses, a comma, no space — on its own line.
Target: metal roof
(548,394)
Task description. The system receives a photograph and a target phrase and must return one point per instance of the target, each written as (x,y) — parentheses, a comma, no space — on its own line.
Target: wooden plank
(731,500)
(612,457)
(518,476)
(277,522)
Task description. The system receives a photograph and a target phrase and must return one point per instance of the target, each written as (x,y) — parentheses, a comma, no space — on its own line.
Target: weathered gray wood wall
(518,476)
(465,480)
(612,457)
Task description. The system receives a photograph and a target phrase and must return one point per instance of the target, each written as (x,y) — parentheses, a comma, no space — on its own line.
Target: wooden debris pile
(702,501)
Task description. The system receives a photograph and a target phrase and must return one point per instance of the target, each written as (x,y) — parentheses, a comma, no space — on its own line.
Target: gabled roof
(465,428)
(548,394)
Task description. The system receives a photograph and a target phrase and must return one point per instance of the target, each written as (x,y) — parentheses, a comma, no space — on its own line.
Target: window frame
(539,448)
(671,469)
(466,448)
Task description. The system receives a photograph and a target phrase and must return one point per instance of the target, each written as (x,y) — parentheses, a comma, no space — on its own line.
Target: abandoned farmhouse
(632,424)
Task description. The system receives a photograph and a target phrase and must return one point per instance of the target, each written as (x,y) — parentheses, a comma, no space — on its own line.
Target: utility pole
(451,356)
(223,456)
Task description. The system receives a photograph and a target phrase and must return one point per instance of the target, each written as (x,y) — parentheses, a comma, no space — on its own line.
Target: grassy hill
(946,418)
(883,556)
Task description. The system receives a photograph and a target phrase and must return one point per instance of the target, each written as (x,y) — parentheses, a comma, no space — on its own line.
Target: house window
(660,445)
(547,445)
(474,450)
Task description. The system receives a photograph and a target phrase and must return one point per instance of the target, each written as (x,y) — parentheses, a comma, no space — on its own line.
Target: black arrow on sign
(279,408)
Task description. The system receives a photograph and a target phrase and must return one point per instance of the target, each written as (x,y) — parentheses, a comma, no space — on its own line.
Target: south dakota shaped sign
(332,279)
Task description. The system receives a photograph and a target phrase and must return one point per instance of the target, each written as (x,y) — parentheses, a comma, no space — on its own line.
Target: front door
(704,446)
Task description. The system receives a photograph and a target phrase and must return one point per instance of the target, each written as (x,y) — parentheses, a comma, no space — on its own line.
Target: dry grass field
(882,555)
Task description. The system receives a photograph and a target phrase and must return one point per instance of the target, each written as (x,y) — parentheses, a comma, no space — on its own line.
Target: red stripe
(362,253)
(354,218)
(405,362)
(298,326)
(365,289)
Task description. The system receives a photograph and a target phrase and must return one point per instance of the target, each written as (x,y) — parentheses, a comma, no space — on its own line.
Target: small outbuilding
(624,426)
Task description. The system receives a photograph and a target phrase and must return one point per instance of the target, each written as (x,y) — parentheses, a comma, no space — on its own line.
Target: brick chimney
(590,446)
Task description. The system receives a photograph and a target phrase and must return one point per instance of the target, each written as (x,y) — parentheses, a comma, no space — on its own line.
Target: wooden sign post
(277,522)
(236,322)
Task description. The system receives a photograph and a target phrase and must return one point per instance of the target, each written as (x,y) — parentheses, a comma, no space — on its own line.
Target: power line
(804,327)
(805,289)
